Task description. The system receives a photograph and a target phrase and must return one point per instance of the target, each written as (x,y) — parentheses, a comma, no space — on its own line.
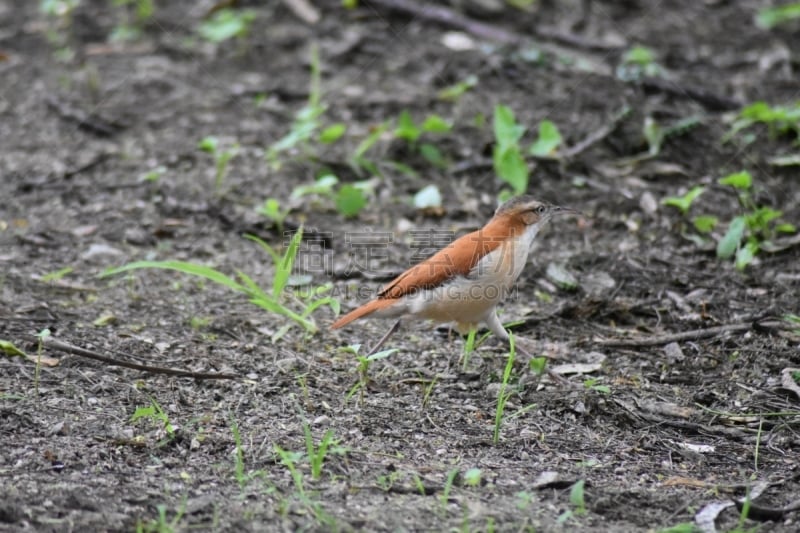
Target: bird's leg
(383,340)
(496,327)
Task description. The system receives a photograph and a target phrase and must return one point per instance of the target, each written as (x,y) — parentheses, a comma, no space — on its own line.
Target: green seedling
(538,365)
(456,91)
(273,302)
(503,394)
(226,24)
(134,15)
(548,141)
(332,133)
(154,174)
(448,486)
(358,161)
(769,17)
(593,384)
(683,203)
(637,63)
(577,501)
(222,156)
(779,119)
(469,347)
(306,120)
(509,165)
(756,226)
(59,26)
(350,200)
(411,132)
(272,210)
(41,338)
(156,415)
(161,524)
(57,275)
(317,454)
(364,362)
(472,477)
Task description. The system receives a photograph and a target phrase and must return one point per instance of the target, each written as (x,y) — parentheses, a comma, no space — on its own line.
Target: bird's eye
(541,209)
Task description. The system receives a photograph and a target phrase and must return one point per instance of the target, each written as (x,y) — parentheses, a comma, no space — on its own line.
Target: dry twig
(56,344)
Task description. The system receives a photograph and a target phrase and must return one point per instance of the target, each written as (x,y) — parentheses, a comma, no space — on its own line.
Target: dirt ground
(658,432)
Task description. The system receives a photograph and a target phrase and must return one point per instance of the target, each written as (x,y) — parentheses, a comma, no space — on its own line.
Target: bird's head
(530,211)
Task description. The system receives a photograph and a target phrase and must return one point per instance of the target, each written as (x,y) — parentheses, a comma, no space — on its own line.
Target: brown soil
(677,428)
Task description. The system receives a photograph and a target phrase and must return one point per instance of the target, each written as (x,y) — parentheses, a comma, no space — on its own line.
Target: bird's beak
(558,210)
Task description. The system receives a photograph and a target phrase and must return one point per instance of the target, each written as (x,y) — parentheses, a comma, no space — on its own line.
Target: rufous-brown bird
(464,281)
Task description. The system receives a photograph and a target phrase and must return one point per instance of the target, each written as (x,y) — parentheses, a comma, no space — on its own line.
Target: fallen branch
(683,336)
(56,344)
(453,19)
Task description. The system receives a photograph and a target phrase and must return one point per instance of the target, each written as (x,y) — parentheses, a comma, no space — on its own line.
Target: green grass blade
(184,267)
(284,269)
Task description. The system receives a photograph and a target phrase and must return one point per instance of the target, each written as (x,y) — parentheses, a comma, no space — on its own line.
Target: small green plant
(685,527)
(41,338)
(222,156)
(411,132)
(57,275)
(273,302)
(637,63)
(226,24)
(306,120)
(547,142)
(316,454)
(593,384)
(472,477)
(59,26)
(469,347)
(457,90)
(769,17)
(503,394)
(272,210)
(779,120)
(756,226)
(577,501)
(161,524)
(509,164)
(448,486)
(155,414)
(134,15)
(364,362)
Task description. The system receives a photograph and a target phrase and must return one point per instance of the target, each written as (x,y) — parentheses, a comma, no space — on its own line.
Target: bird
(465,281)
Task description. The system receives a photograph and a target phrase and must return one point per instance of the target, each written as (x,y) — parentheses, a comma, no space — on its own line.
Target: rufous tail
(364,310)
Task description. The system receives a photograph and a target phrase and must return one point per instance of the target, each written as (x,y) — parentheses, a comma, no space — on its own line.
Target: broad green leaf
(10,349)
(506,131)
(705,223)
(511,168)
(548,141)
(769,17)
(739,180)
(436,124)
(225,24)
(432,155)
(332,133)
(786,228)
(406,129)
(684,202)
(208,144)
(350,200)
(729,243)
(745,254)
